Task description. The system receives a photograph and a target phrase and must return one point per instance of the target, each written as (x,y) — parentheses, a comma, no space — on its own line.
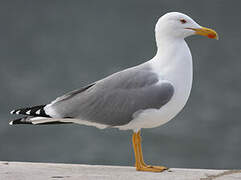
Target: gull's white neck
(173,62)
(173,59)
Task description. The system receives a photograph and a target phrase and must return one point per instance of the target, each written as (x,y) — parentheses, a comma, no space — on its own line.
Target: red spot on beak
(212,36)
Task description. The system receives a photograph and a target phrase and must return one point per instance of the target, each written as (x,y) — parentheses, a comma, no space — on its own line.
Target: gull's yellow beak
(206,32)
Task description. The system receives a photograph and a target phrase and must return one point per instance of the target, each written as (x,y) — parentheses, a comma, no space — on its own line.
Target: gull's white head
(179,26)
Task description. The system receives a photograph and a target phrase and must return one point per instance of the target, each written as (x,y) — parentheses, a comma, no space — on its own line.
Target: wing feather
(114,100)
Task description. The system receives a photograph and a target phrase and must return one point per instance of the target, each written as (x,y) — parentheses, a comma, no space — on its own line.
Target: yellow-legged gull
(144,96)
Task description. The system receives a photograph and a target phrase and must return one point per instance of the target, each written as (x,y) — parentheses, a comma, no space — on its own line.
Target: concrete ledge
(40,171)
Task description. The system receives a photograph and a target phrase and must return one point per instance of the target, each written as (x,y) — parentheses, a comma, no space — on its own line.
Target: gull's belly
(181,78)
(151,118)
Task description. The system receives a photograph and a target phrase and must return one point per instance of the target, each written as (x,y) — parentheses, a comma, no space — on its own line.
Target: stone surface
(40,171)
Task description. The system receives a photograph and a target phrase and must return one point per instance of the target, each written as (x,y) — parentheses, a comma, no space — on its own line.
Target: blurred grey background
(48,48)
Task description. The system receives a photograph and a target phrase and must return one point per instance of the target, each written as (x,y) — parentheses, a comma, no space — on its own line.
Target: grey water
(48,48)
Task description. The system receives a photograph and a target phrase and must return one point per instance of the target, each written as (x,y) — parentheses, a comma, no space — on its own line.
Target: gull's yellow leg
(135,147)
(140,164)
(162,168)
(140,148)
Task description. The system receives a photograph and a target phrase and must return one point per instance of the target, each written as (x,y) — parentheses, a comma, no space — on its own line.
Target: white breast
(172,63)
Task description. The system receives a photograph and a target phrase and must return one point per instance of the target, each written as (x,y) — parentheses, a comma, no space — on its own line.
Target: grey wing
(73,93)
(113,100)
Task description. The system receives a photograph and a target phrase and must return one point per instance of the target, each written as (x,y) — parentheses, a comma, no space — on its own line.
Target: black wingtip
(19,121)
(36,111)
(26,121)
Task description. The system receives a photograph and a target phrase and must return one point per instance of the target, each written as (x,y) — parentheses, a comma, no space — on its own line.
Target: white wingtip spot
(37,112)
(11,123)
(12,112)
(28,112)
(17,112)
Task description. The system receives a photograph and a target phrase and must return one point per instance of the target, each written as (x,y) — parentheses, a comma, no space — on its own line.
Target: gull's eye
(183,21)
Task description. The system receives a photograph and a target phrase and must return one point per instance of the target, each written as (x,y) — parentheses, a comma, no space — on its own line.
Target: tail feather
(37,121)
(32,111)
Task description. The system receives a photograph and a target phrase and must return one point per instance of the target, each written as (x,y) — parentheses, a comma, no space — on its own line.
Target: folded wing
(113,101)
